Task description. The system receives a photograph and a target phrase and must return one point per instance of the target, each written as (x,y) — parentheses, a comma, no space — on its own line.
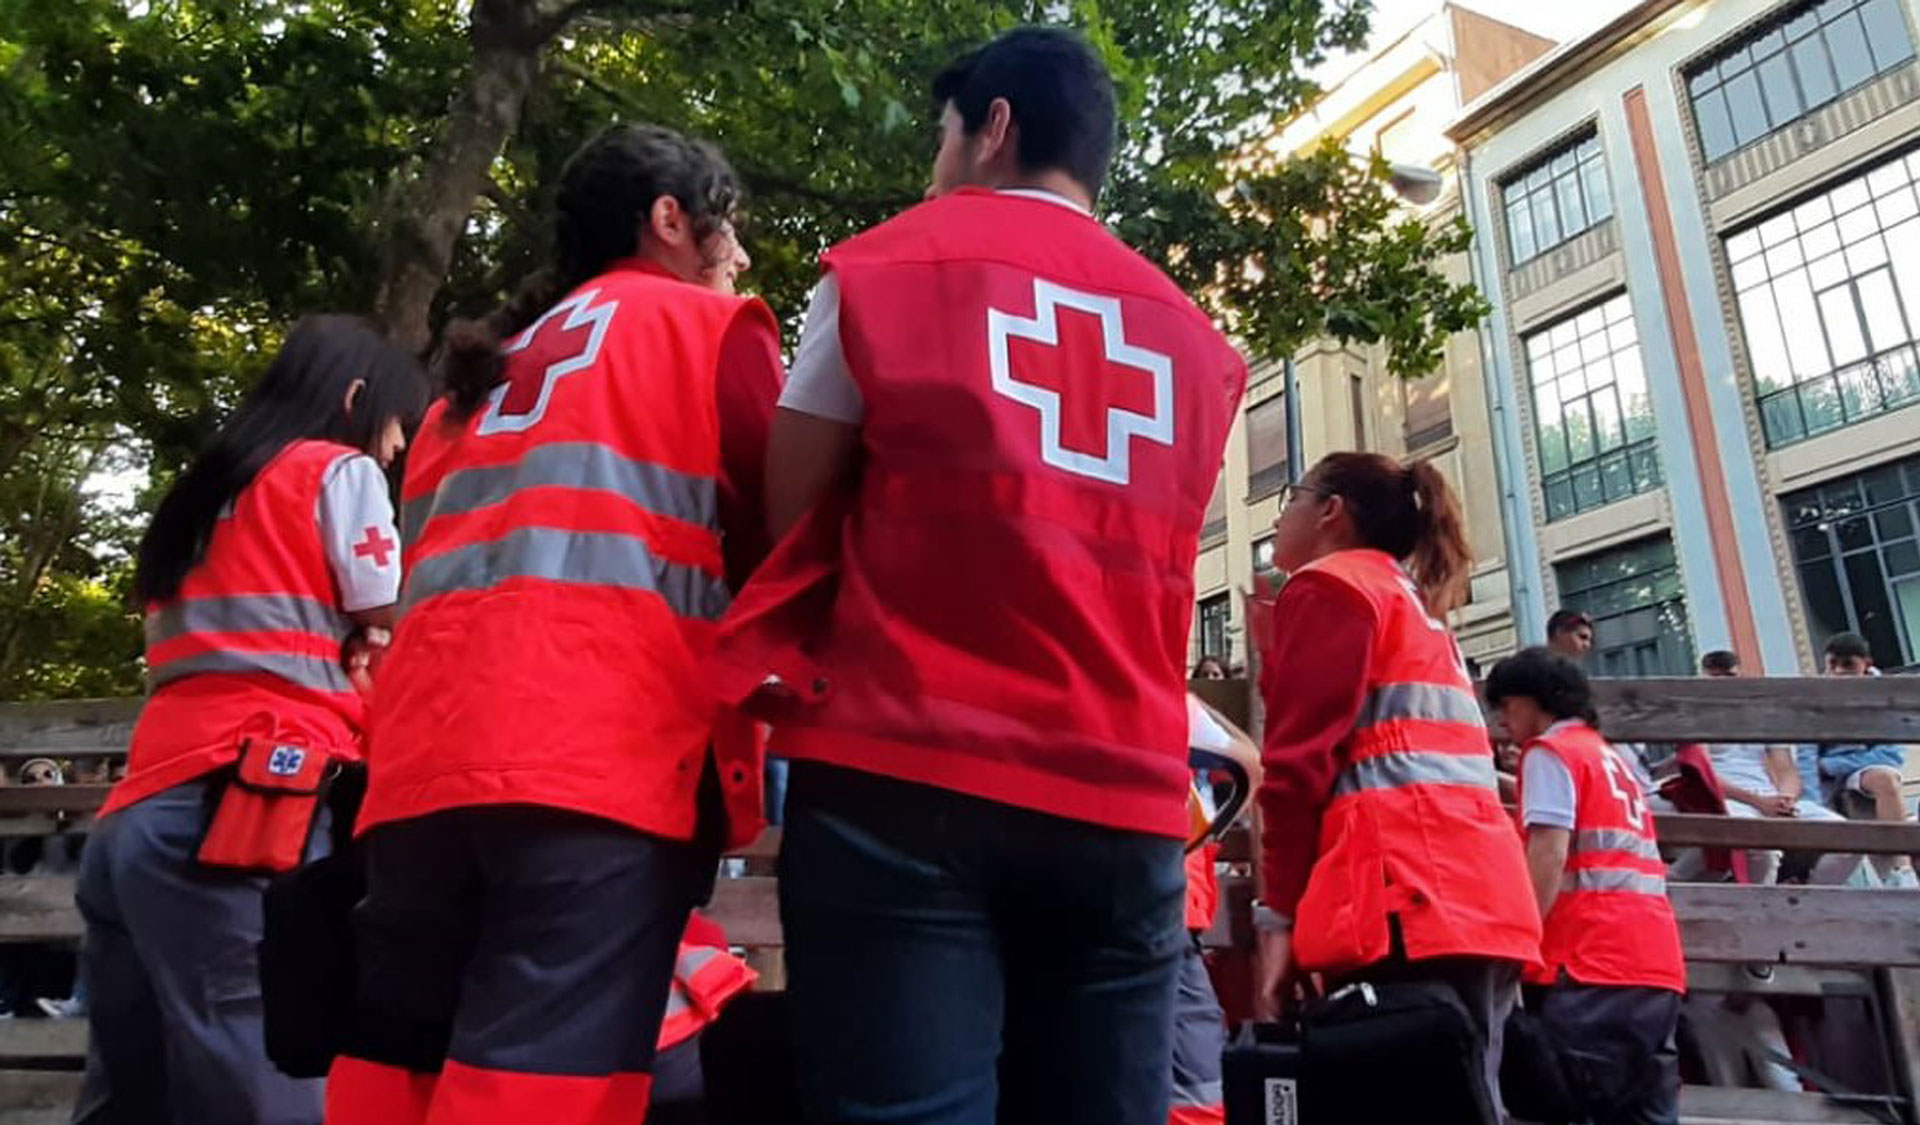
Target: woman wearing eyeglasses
(1387,855)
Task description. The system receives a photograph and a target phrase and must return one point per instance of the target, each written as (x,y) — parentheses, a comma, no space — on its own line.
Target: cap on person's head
(1058,89)
(1567,620)
(1849,646)
(1720,662)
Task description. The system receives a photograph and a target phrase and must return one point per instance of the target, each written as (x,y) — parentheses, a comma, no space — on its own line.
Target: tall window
(1830,302)
(1855,548)
(1429,417)
(1215,612)
(1638,606)
(1267,446)
(1562,195)
(1215,525)
(1804,57)
(1591,413)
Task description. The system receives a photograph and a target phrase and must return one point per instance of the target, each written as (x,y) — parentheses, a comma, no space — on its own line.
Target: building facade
(1399,102)
(1701,234)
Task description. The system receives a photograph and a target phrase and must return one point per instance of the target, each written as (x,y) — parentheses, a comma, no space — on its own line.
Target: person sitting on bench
(1863,773)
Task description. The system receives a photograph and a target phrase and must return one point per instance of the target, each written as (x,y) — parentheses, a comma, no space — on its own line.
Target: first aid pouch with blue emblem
(264,819)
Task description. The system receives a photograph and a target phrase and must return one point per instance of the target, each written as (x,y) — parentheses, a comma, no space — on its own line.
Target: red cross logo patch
(1095,392)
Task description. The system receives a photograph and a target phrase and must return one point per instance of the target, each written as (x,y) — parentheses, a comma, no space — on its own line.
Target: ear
(352,398)
(998,133)
(668,222)
(1330,515)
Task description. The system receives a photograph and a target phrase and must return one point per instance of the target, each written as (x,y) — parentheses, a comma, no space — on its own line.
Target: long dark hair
(1408,511)
(1549,679)
(607,192)
(301,395)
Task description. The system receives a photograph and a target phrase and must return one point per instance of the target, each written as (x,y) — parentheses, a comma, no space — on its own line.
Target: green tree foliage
(179,179)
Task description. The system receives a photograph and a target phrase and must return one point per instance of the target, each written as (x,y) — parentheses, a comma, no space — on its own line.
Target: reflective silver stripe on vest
(590,558)
(314,672)
(1415,767)
(1619,879)
(581,464)
(250,613)
(1615,840)
(1433,702)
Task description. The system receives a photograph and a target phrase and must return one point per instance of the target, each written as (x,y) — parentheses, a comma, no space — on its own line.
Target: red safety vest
(564,574)
(1612,923)
(254,634)
(1414,830)
(1012,591)
(705,978)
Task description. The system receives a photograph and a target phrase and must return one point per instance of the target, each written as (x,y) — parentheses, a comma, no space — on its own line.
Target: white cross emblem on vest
(1083,378)
(285,761)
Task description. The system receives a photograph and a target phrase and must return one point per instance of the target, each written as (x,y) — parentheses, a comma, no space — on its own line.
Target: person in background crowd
(706,974)
(1611,977)
(989,767)
(1200,1029)
(1386,852)
(1762,781)
(551,778)
(1210,668)
(267,554)
(1847,773)
(1570,633)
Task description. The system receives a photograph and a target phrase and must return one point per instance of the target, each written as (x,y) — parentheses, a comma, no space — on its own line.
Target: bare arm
(1785,774)
(1546,862)
(808,457)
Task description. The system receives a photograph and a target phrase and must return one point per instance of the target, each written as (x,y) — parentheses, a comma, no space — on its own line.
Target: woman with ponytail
(1386,854)
(551,780)
(272,552)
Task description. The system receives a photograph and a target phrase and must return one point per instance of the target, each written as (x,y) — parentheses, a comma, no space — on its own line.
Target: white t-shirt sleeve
(1546,787)
(356,528)
(819,382)
(1203,733)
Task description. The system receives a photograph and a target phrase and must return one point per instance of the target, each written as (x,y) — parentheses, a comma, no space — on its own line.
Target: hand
(1260,602)
(1273,975)
(1778,805)
(361,655)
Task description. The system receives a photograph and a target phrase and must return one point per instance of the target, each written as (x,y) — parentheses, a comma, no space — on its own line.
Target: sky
(1555,19)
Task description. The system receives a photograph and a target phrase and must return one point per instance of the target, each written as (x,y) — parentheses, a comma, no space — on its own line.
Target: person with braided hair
(551,781)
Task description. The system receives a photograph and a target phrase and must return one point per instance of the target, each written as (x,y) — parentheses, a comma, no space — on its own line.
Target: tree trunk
(427,215)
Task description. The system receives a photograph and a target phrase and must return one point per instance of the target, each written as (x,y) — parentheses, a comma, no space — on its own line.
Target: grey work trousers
(170,957)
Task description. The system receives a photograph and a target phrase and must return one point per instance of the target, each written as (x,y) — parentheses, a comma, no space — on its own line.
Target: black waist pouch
(307,965)
(1404,1051)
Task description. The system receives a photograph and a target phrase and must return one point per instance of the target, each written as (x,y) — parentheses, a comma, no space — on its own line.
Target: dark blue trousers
(955,961)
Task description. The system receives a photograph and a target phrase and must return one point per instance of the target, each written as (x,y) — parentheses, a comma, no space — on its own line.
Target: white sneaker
(1903,879)
(67,1009)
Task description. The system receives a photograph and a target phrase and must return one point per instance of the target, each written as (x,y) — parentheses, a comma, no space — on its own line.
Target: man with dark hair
(994,455)
(1570,633)
(1856,776)
(1720,662)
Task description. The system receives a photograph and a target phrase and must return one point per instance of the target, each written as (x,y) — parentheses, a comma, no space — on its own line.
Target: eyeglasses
(1294,491)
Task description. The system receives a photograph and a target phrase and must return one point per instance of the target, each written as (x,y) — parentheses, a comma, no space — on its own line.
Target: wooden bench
(1819,941)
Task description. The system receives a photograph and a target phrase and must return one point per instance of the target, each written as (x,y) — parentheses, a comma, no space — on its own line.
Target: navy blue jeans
(955,961)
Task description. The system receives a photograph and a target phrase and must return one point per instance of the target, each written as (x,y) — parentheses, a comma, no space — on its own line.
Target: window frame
(1842,238)
(1706,81)
(1672,608)
(1639,457)
(1538,183)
